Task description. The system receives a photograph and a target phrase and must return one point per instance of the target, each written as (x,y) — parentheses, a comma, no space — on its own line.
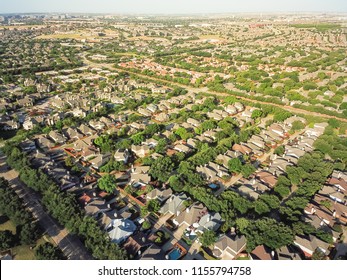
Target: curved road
(71,246)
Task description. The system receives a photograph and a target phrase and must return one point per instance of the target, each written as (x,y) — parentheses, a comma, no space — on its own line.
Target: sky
(170,6)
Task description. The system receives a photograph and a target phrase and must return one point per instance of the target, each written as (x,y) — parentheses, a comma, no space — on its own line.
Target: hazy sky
(171,6)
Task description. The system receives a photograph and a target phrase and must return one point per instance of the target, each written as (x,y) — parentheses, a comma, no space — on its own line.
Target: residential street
(71,246)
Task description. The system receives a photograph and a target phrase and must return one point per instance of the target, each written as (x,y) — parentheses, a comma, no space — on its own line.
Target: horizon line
(171,14)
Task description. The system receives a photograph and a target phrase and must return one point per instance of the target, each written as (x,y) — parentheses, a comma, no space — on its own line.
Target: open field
(319,26)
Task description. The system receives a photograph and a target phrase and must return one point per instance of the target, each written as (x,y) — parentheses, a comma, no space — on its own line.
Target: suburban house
(193,122)
(144,112)
(230,109)
(174,205)
(97,125)
(136,244)
(9,125)
(150,142)
(309,244)
(140,150)
(152,253)
(100,160)
(209,221)
(241,148)
(162,117)
(27,145)
(182,148)
(288,253)
(57,137)
(294,152)
(267,178)
(44,143)
(29,123)
(120,229)
(72,134)
(334,193)
(262,252)
(86,130)
(122,155)
(248,192)
(96,207)
(191,215)
(229,247)
(160,194)
(139,176)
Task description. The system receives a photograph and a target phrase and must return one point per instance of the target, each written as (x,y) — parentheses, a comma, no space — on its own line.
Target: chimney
(108,205)
(187,210)
(334,214)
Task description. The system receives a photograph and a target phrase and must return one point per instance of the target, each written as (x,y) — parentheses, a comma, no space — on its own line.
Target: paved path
(71,246)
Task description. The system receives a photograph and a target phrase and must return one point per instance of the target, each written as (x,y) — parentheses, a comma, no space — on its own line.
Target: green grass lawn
(21,252)
(243,258)
(6,224)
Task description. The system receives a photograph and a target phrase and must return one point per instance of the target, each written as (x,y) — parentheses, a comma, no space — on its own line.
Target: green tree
(271,200)
(153,205)
(279,150)
(334,123)
(175,183)
(269,232)
(107,183)
(261,207)
(28,233)
(7,240)
(247,170)
(242,224)
(256,114)
(242,204)
(208,238)
(162,168)
(235,165)
(138,138)
(318,255)
(146,225)
(297,125)
(47,251)
(69,161)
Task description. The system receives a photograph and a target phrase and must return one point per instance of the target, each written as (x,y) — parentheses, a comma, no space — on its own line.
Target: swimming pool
(213,186)
(175,254)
